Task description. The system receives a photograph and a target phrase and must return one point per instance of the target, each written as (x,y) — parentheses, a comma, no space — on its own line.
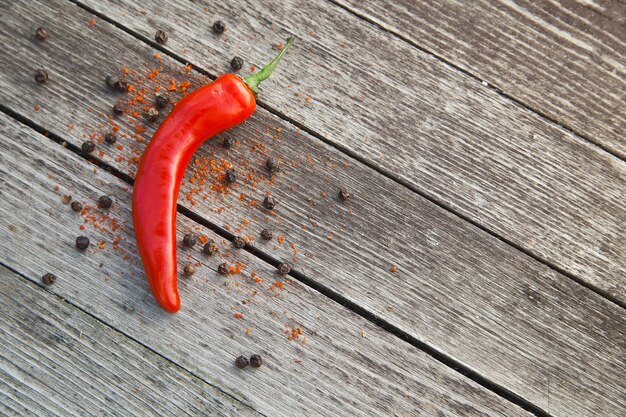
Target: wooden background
(483,146)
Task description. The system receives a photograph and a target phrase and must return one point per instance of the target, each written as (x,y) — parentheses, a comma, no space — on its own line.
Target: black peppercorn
(152,114)
(161,37)
(189,240)
(122,86)
(231,176)
(76,206)
(228,142)
(283,269)
(239,242)
(88,146)
(105,202)
(266,234)
(236,63)
(223,268)
(269,202)
(112,81)
(219,27)
(241,362)
(272,165)
(344,194)
(210,248)
(256,361)
(161,100)
(48,279)
(41,33)
(110,137)
(118,108)
(189,270)
(41,76)
(82,242)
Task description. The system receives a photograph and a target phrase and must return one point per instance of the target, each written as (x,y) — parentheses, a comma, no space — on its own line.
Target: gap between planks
(47,148)
(379,169)
(434,353)
(462,70)
(108,326)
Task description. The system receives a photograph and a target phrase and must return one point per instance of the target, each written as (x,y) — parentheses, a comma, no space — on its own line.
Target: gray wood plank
(564,59)
(419,120)
(467,280)
(346,367)
(58,360)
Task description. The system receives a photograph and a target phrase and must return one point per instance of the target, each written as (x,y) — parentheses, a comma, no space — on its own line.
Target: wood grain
(564,59)
(420,121)
(456,286)
(57,360)
(346,367)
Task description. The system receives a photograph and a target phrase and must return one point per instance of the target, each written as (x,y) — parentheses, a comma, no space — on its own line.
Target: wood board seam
(336,297)
(384,172)
(104,323)
(464,71)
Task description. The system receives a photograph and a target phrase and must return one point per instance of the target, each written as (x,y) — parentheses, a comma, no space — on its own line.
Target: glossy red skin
(205,112)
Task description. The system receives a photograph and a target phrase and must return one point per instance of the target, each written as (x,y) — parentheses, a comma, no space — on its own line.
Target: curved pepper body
(203,113)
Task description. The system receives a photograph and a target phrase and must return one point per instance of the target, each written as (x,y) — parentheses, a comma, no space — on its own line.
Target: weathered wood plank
(57,360)
(564,59)
(456,262)
(419,120)
(346,367)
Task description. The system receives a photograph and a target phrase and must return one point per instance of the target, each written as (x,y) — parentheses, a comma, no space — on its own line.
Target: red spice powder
(294,333)
(236,268)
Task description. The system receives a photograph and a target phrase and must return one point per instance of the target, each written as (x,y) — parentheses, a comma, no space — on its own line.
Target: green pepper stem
(253,80)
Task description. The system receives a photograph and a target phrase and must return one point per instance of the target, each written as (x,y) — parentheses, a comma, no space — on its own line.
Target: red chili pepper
(205,112)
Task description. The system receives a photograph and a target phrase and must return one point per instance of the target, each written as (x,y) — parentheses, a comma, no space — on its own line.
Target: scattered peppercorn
(236,63)
(189,240)
(41,33)
(48,279)
(228,142)
(105,202)
(82,242)
(41,76)
(189,270)
(269,202)
(112,81)
(223,268)
(272,165)
(161,36)
(266,234)
(67,199)
(88,146)
(210,248)
(283,269)
(344,194)
(110,137)
(219,27)
(76,206)
(118,108)
(122,86)
(231,176)
(162,100)
(152,114)
(256,361)
(242,362)
(239,242)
